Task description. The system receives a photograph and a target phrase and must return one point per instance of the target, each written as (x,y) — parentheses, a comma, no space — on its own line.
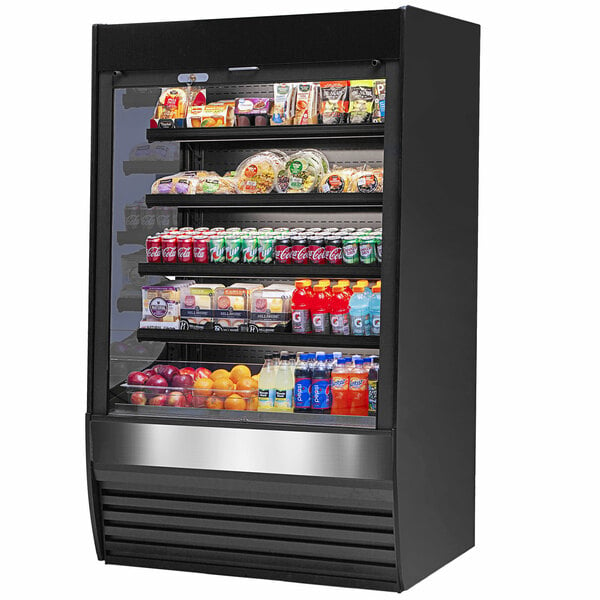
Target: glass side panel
(217,220)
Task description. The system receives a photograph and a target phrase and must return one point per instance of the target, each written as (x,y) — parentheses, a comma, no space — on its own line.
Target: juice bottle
(375,309)
(301,301)
(373,385)
(320,311)
(340,404)
(321,382)
(284,386)
(266,385)
(302,384)
(339,312)
(358,389)
(359,312)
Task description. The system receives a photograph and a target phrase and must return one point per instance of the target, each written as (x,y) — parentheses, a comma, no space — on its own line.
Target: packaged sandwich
(379,106)
(257,174)
(339,180)
(368,180)
(185,182)
(215,114)
(361,101)
(252,112)
(334,102)
(284,104)
(307,103)
(214,184)
(171,109)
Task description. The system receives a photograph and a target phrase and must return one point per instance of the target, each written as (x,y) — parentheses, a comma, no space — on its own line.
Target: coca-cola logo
(283,253)
(299,253)
(153,252)
(184,253)
(316,254)
(169,252)
(335,253)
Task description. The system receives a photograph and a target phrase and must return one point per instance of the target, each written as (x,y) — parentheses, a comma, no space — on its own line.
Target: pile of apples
(236,389)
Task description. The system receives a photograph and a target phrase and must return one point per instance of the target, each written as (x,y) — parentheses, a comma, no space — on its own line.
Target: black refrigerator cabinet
(376,498)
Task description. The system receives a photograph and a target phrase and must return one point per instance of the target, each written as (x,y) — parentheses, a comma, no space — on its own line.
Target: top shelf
(281,132)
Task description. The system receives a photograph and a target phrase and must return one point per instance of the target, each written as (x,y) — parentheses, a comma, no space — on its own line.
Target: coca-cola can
(153,249)
(132,217)
(168,244)
(184,249)
(283,251)
(299,250)
(163,216)
(200,248)
(316,251)
(187,229)
(147,218)
(314,230)
(333,250)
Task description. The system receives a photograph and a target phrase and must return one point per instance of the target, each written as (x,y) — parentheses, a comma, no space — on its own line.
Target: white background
(538,416)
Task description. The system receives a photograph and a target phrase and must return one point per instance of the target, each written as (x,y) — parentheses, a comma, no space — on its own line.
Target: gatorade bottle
(359,312)
(373,385)
(321,382)
(339,312)
(326,283)
(266,385)
(340,403)
(358,389)
(345,283)
(302,384)
(284,386)
(320,311)
(375,309)
(365,284)
(301,300)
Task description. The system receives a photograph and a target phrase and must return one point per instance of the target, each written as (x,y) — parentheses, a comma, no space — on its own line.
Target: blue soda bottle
(302,384)
(321,385)
(359,312)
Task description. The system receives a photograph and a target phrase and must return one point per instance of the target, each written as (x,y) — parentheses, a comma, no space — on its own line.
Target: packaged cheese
(271,309)
(334,102)
(161,305)
(307,103)
(361,101)
(284,104)
(197,309)
(379,107)
(171,109)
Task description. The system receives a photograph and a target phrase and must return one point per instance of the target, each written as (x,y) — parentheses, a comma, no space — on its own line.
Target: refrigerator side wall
(437,302)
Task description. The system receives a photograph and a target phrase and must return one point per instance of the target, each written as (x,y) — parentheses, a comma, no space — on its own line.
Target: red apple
(157,381)
(188,371)
(176,399)
(159,400)
(137,378)
(149,372)
(167,371)
(182,381)
(138,398)
(202,373)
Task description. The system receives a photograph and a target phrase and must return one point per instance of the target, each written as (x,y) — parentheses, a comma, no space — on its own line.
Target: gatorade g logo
(358,322)
(376,321)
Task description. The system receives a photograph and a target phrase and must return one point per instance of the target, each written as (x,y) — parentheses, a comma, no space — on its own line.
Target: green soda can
(365,230)
(350,254)
(265,230)
(378,247)
(233,249)
(248,229)
(233,229)
(367,251)
(266,249)
(249,249)
(216,247)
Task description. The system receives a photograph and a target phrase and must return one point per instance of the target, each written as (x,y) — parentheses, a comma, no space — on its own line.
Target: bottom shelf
(128,410)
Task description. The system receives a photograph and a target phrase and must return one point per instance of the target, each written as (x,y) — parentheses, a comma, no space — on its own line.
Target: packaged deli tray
(171,109)
(251,112)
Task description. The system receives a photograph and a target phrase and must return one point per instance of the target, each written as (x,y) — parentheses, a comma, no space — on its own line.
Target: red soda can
(168,244)
(184,249)
(200,248)
(186,229)
(316,251)
(153,249)
(283,251)
(333,250)
(299,250)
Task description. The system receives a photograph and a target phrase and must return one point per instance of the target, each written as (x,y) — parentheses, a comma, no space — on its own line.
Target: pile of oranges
(233,390)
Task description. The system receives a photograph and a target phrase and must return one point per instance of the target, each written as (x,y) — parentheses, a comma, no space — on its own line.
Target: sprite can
(216,248)
(350,254)
(233,249)
(249,249)
(266,249)
(367,251)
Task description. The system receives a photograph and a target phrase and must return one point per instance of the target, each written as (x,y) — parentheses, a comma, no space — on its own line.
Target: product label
(283,399)
(265,399)
(372,396)
(340,324)
(320,323)
(375,325)
(357,383)
(339,383)
(301,321)
(321,396)
(302,392)
(361,325)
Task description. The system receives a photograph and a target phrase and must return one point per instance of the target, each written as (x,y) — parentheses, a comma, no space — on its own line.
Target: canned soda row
(139,217)
(265,245)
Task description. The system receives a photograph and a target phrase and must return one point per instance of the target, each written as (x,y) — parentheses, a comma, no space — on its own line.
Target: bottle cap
(377,288)
(359,361)
(329,357)
(304,356)
(268,355)
(338,288)
(363,282)
(358,288)
(344,282)
(324,282)
(319,288)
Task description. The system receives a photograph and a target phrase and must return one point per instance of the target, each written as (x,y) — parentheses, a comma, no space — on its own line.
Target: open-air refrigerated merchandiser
(230,160)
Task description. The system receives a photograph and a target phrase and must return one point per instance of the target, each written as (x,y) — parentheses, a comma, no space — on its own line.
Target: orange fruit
(203,384)
(218,374)
(255,377)
(214,402)
(246,383)
(239,371)
(235,402)
(223,386)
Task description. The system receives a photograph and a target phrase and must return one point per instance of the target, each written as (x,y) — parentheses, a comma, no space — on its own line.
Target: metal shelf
(292,271)
(237,134)
(257,339)
(204,201)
